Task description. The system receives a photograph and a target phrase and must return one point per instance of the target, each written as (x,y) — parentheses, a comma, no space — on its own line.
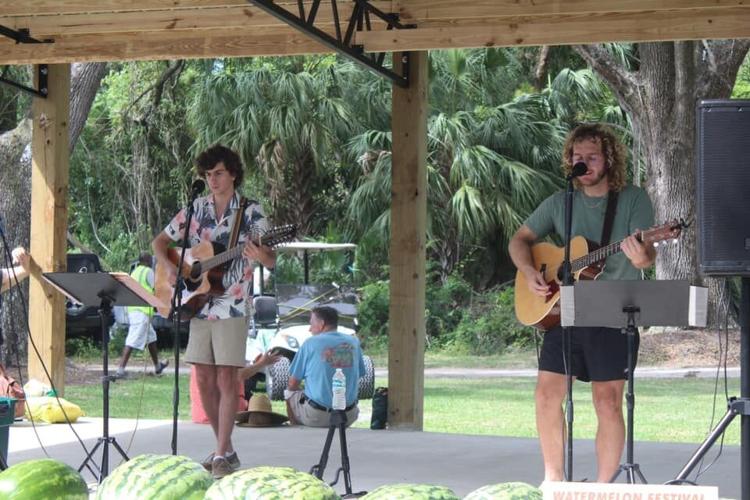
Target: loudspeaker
(723,183)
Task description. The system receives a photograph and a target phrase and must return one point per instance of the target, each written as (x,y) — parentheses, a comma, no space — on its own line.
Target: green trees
(289,120)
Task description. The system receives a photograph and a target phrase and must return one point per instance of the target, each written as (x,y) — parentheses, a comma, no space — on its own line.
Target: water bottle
(339,390)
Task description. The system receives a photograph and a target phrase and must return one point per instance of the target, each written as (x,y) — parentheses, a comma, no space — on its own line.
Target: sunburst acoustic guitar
(203,270)
(587,262)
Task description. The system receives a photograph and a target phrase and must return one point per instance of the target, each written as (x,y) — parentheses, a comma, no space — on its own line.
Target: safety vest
(140,274)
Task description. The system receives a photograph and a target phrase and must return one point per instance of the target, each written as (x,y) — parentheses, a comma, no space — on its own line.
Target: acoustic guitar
(203,270)
(587,262)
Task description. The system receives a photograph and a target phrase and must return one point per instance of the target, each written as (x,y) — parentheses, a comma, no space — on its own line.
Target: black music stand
(102,290)
(632,303)
(337,421)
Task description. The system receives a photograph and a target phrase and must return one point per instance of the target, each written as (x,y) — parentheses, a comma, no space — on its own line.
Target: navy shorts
(599,354)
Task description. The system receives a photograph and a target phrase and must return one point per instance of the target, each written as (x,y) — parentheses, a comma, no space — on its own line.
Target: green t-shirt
(634,212)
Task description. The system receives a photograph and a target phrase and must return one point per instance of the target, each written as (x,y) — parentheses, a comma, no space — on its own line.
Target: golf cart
(281,321)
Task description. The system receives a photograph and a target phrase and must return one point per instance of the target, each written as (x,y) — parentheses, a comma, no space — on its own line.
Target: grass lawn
(672,410)
(510,359)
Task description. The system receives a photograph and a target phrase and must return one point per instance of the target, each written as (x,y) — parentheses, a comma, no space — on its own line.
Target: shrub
(445,307)
(373,310)
(491,326)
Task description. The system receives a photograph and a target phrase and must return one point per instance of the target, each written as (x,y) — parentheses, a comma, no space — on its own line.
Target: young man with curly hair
(599,355)
(218,332)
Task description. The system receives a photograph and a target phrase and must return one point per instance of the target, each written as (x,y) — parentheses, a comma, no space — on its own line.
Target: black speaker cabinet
(723,183)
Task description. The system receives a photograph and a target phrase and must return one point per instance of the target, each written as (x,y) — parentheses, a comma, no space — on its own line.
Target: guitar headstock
(667,231)
(278,235)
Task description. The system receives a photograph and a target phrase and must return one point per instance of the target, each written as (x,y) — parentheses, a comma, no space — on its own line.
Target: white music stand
(103,290)
(628,304)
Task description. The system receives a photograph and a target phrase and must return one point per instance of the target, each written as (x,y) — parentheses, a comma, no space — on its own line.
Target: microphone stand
(176,307)
(567,280)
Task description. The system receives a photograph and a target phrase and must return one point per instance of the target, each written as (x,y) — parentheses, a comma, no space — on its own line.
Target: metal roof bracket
(361,17)
(23,36)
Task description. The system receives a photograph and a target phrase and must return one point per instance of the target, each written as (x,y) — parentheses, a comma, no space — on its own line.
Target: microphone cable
(18,293)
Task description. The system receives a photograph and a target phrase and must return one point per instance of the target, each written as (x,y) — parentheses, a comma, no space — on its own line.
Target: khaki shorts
(217,342)
(313,417)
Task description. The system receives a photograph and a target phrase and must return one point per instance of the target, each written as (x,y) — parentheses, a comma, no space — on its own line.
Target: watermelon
(411,492)
(42,479)
(270,483)
(156,477)
(506,491)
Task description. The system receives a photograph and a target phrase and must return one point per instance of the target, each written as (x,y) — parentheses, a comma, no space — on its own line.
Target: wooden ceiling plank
(158,46)
(567,30)
(165,20)
(426,10)
(54,7)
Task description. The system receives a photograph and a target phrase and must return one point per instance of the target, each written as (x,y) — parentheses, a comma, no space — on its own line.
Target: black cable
(8,266)
(19,292)
(723,356)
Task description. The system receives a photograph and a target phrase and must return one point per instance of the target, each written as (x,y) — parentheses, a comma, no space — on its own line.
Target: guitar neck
(222,258)
(231,254)
(596,256)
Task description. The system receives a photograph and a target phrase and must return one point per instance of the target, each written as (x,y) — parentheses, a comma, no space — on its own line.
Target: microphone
(197,188)
(578,170)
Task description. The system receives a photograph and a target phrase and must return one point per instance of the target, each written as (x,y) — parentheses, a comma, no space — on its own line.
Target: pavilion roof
(109,30)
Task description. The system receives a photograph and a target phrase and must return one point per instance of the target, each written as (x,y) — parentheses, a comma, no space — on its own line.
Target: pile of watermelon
(43,479)
(270,483)
(411,492)
(162,477)
(506,491)
(156,477)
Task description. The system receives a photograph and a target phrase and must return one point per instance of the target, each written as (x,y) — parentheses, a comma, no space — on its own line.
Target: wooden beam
(245,16)
(49,218)
(417,9)
(152,46)
(425,10)
(564,29)
(407,250)
(42,7)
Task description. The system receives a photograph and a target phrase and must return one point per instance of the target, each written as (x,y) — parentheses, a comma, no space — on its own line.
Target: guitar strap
(237,223)
(609,218)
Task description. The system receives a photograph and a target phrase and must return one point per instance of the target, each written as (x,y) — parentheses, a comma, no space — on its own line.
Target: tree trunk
(15,195)
(85,80)
(15,208)
(540,70)
(660,98)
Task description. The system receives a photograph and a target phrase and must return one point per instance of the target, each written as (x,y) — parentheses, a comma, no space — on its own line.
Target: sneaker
(160,368)
(208,462)
(120,374)
(220,467)
(232,458)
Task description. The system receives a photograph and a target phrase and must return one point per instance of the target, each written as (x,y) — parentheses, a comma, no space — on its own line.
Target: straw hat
(259,413)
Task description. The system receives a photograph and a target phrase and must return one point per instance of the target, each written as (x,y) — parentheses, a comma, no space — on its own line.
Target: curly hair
(615,154)
(209,158)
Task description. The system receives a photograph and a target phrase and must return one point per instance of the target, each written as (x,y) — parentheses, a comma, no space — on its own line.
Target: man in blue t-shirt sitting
(315,363)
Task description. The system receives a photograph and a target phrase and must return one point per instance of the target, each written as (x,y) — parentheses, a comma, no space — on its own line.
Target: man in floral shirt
(218,332)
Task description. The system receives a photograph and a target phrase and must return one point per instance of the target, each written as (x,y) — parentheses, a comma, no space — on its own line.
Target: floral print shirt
(205,225)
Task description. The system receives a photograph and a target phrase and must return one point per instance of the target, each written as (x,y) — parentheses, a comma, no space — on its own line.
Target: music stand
(102,290)
(632,303)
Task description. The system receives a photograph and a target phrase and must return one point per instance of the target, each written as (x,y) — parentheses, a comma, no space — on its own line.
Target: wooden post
(407,258)
(49,217)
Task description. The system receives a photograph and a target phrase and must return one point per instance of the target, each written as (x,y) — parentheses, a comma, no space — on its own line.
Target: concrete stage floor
(460,462)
